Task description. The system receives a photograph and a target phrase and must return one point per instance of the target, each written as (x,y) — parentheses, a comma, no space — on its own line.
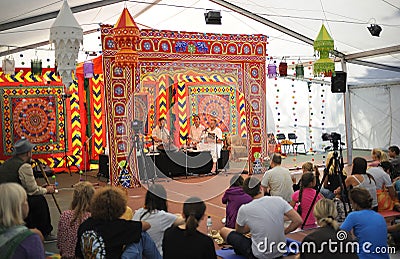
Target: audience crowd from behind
(325,214)
(18,169)
(71,219)
(277,180)
(16,240)
(361,179)
(303,198)
(234,197)
(155,213)
(263,219)
(105,234)
(185,241)
(367,225)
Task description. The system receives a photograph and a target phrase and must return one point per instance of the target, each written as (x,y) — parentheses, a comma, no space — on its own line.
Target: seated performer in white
(160,133)
(197,132)
(214,139)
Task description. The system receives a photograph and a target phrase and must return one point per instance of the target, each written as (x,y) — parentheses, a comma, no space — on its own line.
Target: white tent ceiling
(345,20)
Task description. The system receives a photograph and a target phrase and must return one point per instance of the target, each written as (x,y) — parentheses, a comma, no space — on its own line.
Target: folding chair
(292,137)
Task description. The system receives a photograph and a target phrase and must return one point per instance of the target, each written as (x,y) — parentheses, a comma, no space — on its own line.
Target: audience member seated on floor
(340,204)
(307,167)
(277,180)
(263,219)
(185,241)
(378,156)
(302,199)
(16,240)
(394,159)
(361,179)
(234,197)
(367,225)
(331,183)
(385,191)
(325,213)
(104,234)
(71,219)
(155,212)
(19,170)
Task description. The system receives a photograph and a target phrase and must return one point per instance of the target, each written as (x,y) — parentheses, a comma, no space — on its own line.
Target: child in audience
(368,226)
(105,234)
(234,197)
(302,199)
(16,240)
(155,212)
(72,218)
(307,167)
(340,205)
(192,243)
(325,213)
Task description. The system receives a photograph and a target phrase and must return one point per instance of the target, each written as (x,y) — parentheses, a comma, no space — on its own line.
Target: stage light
(213,17)
(375,30)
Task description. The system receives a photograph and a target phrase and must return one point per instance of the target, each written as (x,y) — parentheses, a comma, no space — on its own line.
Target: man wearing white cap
(19,170)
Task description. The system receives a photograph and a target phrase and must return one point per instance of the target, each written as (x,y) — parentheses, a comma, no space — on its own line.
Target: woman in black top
(185,241)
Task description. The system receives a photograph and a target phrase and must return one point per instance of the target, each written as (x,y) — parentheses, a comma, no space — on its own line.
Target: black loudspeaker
(338,82)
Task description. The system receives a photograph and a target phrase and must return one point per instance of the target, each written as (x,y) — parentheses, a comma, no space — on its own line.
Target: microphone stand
(216,153)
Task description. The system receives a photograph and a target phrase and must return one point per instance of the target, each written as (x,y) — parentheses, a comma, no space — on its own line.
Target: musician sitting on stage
(160,132)
(196,132)
(19,170)
(214,136)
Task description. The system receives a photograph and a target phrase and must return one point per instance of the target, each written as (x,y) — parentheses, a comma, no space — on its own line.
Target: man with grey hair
(277,181)
(19,170)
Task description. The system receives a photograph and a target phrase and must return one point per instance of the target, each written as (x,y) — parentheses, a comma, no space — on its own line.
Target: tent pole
(347,118)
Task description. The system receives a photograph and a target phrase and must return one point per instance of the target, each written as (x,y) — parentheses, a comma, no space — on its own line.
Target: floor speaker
(338,82)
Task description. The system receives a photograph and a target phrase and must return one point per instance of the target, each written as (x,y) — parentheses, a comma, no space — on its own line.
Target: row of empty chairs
(290,143)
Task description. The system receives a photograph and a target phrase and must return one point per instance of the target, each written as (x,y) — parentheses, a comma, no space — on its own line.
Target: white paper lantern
(8,65)
(67,35)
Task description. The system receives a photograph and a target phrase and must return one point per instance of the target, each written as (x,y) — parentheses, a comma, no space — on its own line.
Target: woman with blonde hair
(16,240)
(331,184)
(378,156)
(72,218)
(325,214)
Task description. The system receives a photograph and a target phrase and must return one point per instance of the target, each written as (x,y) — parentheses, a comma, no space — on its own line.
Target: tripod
(64,97)
(85,148)
(338,172)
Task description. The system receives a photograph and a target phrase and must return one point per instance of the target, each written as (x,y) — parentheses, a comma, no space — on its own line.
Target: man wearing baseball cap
(19,170)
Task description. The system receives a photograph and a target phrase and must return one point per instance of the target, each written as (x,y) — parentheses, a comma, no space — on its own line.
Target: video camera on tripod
(334,138)
(335,178)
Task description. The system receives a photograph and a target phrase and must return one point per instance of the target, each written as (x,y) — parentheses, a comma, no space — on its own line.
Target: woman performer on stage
(214,137)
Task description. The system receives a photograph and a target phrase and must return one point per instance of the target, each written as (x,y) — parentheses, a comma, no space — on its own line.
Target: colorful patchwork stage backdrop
(33,108)
(184,73)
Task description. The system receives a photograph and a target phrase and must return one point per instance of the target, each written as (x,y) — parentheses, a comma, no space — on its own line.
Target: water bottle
(209,226)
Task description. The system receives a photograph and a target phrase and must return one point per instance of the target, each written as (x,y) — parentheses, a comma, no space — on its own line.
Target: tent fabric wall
(308,109)
(373,123)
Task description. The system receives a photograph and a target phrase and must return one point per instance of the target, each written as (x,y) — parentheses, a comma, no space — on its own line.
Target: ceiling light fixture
(374,29)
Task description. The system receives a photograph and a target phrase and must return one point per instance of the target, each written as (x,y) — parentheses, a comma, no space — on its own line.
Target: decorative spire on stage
(126,35)
(323,44)
(67,35)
